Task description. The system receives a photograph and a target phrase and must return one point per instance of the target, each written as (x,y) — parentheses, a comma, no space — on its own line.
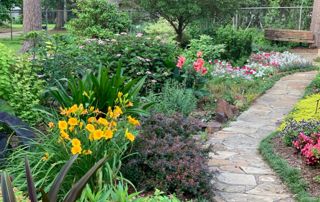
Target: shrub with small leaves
(5,63)
(168,160)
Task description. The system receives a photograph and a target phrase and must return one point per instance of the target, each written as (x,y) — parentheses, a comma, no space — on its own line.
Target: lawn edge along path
(240,173)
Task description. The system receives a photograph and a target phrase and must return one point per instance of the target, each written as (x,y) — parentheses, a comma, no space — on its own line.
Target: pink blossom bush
(309,147)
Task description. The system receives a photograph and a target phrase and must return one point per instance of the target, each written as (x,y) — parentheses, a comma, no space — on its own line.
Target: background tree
(32,19)
(5,6)
(180,13)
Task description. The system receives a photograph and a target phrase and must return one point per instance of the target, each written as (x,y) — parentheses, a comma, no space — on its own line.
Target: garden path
(240,171)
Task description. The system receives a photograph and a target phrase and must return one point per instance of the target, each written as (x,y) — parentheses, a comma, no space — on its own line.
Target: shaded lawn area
(18,27)
(15,44)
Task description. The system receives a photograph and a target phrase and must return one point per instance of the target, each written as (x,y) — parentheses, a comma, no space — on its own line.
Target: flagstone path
(240,171)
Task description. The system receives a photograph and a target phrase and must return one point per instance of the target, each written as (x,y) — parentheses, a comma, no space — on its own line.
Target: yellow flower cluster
(305,109)
(83,127)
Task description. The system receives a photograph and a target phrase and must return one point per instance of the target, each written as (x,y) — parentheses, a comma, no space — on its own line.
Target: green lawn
(18,27)
(14,44)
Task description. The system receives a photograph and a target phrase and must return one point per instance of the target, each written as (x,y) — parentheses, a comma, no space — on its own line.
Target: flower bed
(261,65)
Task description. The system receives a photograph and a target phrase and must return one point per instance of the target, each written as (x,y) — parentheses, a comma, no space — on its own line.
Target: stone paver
(240,174)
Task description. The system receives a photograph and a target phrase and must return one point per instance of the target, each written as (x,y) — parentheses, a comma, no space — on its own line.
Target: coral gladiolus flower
(198,64)
(199,54)
(181,61)
(204,71)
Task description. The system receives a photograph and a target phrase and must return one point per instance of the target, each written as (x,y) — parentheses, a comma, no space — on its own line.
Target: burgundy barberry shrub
(169,159)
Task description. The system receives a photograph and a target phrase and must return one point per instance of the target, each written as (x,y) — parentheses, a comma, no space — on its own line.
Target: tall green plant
(100,90)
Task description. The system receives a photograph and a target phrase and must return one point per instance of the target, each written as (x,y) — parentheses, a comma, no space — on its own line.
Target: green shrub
(174,98)
(161,29)
(238,44)
(206,45)
(20,86)
(68,57)
(5,64)
(98,19)
(25,91)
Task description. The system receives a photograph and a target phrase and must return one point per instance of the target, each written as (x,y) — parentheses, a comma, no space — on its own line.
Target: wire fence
(298,18)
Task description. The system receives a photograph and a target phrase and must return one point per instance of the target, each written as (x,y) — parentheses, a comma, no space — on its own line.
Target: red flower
(181,61)
(204,71)
(199,54)
(198,64)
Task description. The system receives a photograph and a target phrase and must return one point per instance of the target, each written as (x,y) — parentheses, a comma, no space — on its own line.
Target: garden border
(289,175)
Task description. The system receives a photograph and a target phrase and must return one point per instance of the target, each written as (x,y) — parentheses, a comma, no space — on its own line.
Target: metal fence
(298,18)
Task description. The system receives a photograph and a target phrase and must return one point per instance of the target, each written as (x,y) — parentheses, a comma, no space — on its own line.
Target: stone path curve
(240,171)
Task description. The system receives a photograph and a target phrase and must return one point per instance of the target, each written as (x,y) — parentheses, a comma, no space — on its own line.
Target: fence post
(46,20)
(11,21)
(300,17)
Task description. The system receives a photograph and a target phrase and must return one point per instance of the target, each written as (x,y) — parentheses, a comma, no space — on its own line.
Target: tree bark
(315,22)
(32,20)
(60,15)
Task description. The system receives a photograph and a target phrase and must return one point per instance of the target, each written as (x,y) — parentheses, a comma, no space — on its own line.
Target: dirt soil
(295,160)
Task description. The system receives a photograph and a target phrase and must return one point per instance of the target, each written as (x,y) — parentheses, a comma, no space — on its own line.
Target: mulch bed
(295,160)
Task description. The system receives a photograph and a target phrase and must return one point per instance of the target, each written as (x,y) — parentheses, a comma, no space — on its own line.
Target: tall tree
(180,13)
(60,14)
(32,19)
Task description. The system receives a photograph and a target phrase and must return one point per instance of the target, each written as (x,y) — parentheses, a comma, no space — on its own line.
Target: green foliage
(174,98)
(19,85)
(240,92)
(98,19)
(158,196)
(238,44)
(205,44)
(69,57)
(6,61)
(101,91)
(25,91)
(181,13)
(161,29)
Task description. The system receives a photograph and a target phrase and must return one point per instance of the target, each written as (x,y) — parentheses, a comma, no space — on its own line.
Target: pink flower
(198,64)
(199,54)
(181,61)
(204,71)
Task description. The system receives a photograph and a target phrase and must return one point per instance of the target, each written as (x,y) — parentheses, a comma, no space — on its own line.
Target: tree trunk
(315,22)
(60,15)
(32,20)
